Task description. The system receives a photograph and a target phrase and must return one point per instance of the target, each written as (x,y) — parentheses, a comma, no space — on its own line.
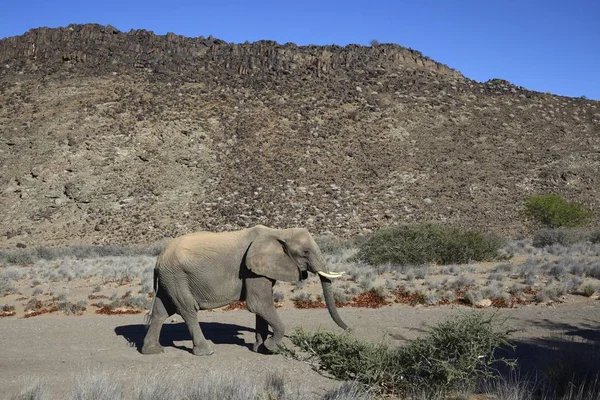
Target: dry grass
(102,385)
(123,284)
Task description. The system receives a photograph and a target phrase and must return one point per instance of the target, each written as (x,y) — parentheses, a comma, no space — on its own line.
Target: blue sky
(551,45)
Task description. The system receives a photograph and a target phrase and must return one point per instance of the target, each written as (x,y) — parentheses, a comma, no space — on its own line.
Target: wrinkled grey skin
(206,270)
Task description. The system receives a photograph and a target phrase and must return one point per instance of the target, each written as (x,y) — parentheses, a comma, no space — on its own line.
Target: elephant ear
(267,256)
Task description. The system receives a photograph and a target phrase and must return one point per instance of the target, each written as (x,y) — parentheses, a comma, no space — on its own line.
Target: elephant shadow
(218,333)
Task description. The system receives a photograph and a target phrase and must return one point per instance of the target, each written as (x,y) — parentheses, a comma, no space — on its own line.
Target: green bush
(455,354)
(553,211)
(427,243)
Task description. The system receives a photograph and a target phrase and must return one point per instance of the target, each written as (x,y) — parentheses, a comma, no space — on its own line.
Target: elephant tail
(148,317)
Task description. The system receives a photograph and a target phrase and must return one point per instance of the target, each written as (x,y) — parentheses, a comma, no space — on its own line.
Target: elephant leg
(262,331)
(159,315)
(259,299)
(202,347)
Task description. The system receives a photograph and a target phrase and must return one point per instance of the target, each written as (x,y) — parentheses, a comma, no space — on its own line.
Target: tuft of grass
(473,296)
(589,289)
(551,292)
(504,267)
(552,211)
(427,243)
(33,389)
(6,285)
(454,354)
(346,391)
(278,296)
(511,388)
(72,308)
(97,386)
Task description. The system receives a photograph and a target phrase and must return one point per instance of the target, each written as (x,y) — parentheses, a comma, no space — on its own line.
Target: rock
(484,303)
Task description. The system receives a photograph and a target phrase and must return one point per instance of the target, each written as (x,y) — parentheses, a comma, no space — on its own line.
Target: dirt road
(58,348)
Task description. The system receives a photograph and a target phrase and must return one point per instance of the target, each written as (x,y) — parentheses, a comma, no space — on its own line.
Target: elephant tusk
(330,275)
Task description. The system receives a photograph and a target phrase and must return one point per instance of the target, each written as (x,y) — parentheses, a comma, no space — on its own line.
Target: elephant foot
(204,350)
(270,345)
(152,349)
(259,347)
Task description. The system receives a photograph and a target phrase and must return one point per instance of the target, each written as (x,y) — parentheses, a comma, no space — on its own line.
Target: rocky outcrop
(106,48)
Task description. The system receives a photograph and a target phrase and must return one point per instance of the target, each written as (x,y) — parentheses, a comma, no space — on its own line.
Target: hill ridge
(93,44)
(105,140)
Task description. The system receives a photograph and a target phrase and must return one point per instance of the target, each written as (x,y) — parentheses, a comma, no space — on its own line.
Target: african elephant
(205,270)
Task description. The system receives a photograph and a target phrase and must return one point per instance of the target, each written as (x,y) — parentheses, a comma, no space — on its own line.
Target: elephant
(206,270)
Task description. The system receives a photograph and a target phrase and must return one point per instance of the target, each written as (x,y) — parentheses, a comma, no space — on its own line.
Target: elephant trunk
(328,295)
(319,266)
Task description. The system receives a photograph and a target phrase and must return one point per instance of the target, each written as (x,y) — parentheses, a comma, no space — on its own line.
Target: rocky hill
(112,137)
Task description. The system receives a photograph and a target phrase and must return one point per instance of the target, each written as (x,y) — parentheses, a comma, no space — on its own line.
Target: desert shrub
(131,302)
(18,256)
(593,271)
(551,292)
(589,289)
(6,285)
(552,211)
(461,282)
(155,249)
(46,253)
(563,236)
(456,353)
(31,255)
(302,296)
(594,237)
(427,243)
(330,244)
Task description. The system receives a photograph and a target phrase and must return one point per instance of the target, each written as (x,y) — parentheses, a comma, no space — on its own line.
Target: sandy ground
(58,348)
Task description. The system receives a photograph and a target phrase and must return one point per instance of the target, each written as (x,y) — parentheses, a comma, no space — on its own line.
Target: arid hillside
(113,137)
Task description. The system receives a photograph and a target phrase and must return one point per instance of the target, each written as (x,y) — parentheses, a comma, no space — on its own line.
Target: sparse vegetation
(28,256)
(116,285)
(387,129)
